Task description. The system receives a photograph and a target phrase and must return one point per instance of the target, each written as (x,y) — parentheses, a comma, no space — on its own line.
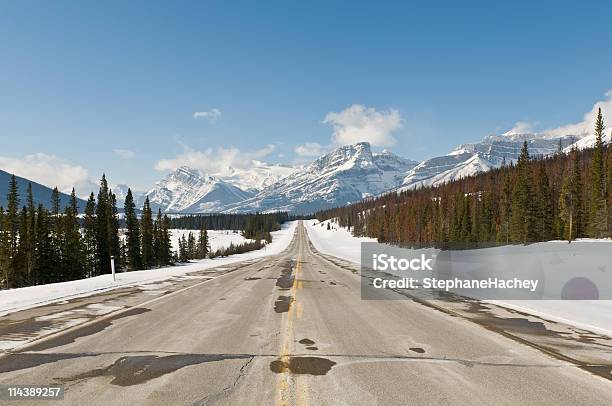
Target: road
(292,329)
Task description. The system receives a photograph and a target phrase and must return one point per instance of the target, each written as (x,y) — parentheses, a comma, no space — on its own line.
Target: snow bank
(18,299)
(594,315)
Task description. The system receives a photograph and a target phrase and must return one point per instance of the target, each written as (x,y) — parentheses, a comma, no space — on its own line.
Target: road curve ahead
(292,329)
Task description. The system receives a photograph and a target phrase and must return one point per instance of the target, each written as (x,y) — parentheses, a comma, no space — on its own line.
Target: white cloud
(211,115)
(311,149)
(219,161)
(50,171)
(358,123)
(587,124)
(521,127)
(124,153)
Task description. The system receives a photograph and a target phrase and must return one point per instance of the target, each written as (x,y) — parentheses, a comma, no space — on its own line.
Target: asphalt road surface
(292,329)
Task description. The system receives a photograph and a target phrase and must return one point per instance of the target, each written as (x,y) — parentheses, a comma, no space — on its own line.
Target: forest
(564,196)
(40,245)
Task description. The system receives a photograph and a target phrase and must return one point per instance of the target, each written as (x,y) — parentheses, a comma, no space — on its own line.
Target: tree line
(564,196)
(228,221)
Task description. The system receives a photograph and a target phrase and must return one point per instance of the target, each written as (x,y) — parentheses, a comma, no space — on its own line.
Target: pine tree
(30,241)
(11,229)
(577,196)
(45,257)
(90,237)
(522,218)
(103,245)
(203,245)
(74,259)
(566,208)
(182,249)
(146,230)
(544,203)
(113,230)
(57,237)
(597,222)
(191,246)
(134,259)
(166,244)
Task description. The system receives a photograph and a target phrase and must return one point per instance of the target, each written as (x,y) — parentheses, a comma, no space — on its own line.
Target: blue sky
(113,86)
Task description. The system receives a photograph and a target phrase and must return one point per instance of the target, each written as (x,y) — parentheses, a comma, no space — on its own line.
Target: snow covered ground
(595,315)
(216,238)
(18,299)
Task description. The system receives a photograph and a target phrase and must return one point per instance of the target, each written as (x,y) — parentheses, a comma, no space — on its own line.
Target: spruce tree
(103,245)
(577,195)
(113,230)
(544,203)
(146,230)
(166,241)
(45,256)
(522,217)
(73,264)
(30,241)
(90,237)
(134,259)
(203,244)
(597,219)
(11,229)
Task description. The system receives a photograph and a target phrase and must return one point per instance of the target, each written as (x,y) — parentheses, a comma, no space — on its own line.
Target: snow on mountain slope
(190,191)
(470,159)
(256,178)
(345,175)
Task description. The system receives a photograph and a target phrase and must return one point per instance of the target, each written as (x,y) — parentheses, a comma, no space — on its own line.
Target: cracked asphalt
(292,329)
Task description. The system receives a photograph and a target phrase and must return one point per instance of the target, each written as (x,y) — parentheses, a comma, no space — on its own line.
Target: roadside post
(113,267)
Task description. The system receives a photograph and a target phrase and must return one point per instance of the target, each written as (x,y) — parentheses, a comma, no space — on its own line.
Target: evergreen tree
(522,217)
(166,244)
(597,221)
(11,230)
(30,240)
(103,243)
(90,237)
(45,257)
(577,196)
(74,259)
(113,230)
(203,244)
(146,230)
(544,203)
(134,259)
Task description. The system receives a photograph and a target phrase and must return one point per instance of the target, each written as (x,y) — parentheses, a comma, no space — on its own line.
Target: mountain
(345,175)
(259,176)
(470,159)
(41,193)
(188,190)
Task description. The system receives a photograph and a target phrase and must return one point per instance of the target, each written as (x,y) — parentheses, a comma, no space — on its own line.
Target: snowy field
(18,299)
(595,315)
(216,238)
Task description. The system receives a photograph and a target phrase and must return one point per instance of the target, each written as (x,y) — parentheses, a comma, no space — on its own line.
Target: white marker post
(113,267)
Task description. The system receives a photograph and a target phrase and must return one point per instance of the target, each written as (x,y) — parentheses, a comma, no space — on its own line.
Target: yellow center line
(284,387)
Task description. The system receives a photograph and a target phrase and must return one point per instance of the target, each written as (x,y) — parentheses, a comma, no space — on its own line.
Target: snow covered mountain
(343,176)
(256,178)
(470,159)
(188,190)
